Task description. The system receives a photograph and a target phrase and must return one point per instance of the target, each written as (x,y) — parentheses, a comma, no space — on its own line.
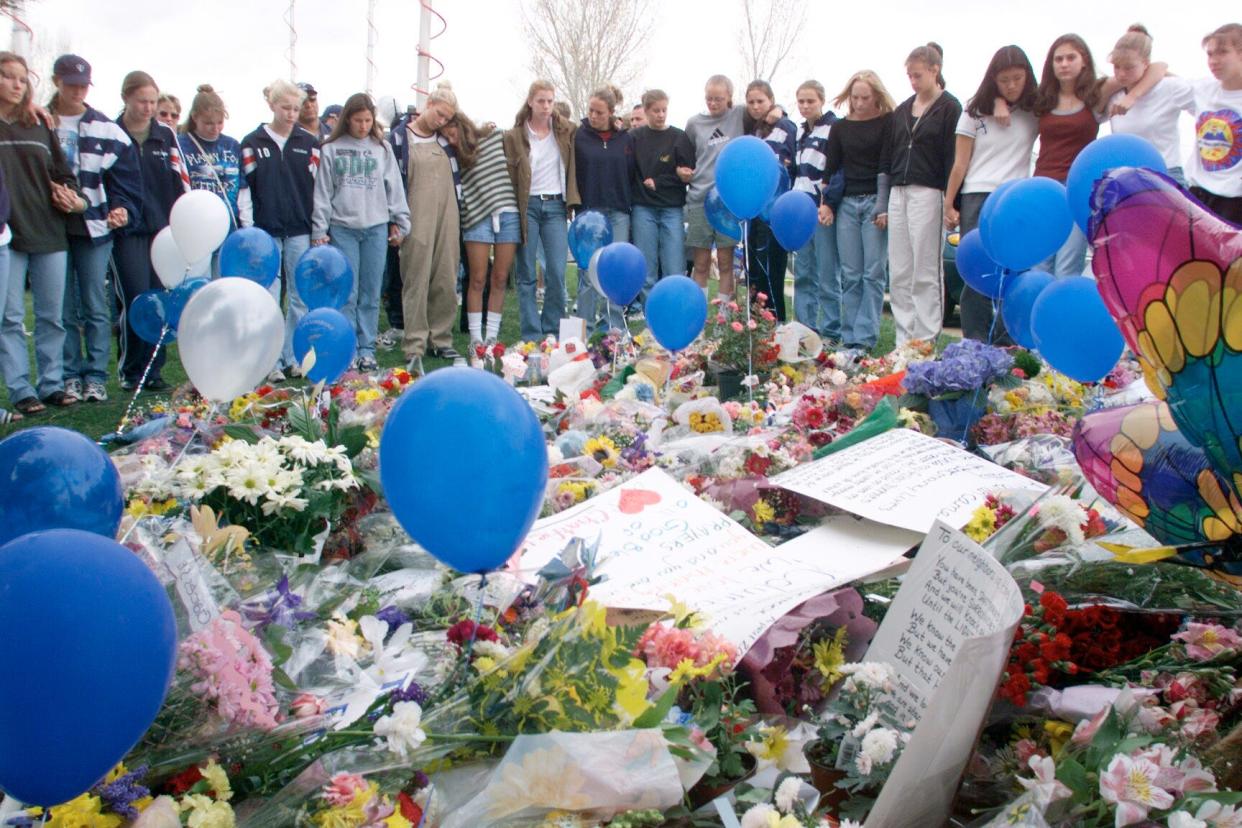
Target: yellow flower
(982,524)
(397,821)
(217,780)
(686,671)
(683,616)
(82,812)
(372,438)
(367,395)
(242,405)
(830,656)
(603,450)
(705,422)
(580,489)
(205,812)
(485,664)
(763,512)
(1059,734)
(631,689)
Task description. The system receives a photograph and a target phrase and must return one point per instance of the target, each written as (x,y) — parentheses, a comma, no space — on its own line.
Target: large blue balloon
(793,219)
(676,310)
(148,317)
(746,175)
(251,254)
(719,217)
(782,187)
(622,271)
(1028,223)
(1020,292)
(334,340)
(94,628)
(1074,330)
(54,478)
(589,231)
(976,266)
(490,465)
(1100,156)
(176,299)
(324,277)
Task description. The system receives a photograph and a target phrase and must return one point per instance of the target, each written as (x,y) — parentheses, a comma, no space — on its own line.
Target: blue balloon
(719,217)
(622,272)
(148,315)
(793,219)
(334,340)
(1074,330)
(976,266)
(676,311)
(782,187)
(99,627)
(54,478)
(491,467)
(176,299)
(589,231)
(1097,158)
(1028,223)
(324,277)
(251,254)
(746,175)
(990,204)
(1021,291)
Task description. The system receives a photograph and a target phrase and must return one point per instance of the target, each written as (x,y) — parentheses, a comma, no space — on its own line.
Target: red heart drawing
(634,500)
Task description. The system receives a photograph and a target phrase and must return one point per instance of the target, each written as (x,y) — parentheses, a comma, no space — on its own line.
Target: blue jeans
(367,251)
(817,284)
(600,314)
(87,311)
(291,249)
(47,283)
(1071,259)
(545,229)
(660,232)
(862,250)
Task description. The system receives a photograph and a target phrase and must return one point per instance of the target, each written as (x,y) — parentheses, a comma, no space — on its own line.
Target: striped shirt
(109,172)
(486,187)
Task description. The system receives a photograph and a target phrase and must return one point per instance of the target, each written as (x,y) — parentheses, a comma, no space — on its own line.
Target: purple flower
(412,692)
(279,606)
(964,366)
(119,795)
(393,617)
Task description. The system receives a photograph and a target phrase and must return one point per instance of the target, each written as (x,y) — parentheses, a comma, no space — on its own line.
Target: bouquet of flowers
(739,343)
(954,384)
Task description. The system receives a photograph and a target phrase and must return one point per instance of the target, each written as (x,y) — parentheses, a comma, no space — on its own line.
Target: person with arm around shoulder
(768,261)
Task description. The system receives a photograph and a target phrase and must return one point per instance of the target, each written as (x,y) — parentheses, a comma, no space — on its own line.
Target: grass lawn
(96,419)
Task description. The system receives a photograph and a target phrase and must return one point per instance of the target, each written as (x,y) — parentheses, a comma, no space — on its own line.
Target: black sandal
(29,406)
(60,399)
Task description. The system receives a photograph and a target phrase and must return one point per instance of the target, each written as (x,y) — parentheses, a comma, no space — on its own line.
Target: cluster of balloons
(752,183)
(79,599)
(1025,222)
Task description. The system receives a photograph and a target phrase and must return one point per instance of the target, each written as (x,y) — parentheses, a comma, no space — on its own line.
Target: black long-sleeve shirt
(657,155)
(32,159)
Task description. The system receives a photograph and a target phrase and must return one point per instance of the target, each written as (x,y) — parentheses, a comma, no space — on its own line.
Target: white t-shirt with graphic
(1154,117)
(67,133)
(1216,163)
(1001,153)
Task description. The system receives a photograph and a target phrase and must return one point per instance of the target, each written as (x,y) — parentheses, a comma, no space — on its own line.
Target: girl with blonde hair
(213,158)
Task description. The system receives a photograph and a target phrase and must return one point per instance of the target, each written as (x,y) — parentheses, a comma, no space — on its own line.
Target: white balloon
(230,336)
(593,271)
(202,267)
(167,260)
(199,222)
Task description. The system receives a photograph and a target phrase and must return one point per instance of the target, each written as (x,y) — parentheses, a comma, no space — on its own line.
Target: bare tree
(770,30)
(581,45)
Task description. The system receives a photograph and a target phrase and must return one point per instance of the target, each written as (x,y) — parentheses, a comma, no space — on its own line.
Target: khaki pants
(915,266)
(430,253)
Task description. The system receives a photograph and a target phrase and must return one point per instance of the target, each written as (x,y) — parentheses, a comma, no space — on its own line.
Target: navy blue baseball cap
(73,70)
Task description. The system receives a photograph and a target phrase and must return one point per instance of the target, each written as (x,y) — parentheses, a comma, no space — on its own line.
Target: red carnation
(466,630)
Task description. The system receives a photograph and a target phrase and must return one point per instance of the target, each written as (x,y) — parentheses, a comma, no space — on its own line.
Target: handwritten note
(657,539)
(182,563)
(947,634)
(904,478)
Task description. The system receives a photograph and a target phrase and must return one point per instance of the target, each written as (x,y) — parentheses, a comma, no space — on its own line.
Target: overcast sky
(241,45)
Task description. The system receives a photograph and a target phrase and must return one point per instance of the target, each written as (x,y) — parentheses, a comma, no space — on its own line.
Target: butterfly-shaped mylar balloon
(1170,272)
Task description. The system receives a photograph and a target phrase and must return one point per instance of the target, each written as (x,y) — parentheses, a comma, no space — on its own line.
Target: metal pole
(424,54)
(293,41)
(372,36)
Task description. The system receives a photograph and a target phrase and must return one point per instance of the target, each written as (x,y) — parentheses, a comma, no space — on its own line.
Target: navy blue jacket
(603,168)
(164,179)
(811,160)
(281,182)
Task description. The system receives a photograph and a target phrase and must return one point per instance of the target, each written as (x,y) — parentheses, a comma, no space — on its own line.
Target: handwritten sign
(947,634)
(657,539)
(183,565)
(904,478)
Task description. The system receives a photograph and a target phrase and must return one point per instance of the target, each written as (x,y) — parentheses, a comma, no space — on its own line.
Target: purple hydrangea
(119,795)
(964,366)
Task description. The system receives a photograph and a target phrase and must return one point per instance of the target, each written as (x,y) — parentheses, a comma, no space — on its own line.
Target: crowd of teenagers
(434,195)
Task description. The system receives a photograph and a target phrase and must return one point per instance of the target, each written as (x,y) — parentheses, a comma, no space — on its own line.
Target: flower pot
(728,383)
(704,791)
(955,417)
(824,778)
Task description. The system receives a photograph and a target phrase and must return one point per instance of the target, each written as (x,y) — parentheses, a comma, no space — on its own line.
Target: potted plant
(727,719)
(953,388)
(741,344)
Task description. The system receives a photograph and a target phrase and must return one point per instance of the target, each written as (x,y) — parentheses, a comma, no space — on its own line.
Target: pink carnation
(737,327)
(343,788)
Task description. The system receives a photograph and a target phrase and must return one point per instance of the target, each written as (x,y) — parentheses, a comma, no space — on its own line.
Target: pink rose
(737,326)
(307,705)
(720,319)
(752,324)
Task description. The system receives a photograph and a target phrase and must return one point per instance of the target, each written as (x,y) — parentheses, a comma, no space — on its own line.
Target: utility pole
(372,36)
(424,53)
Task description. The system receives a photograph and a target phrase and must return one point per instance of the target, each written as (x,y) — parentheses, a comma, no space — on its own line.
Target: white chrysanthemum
(880,745)
(402,730)
(757,816)
(862,728)
(248,483)
(787,794)
(1064,513)
(275,502)
(871,674)
(491,649)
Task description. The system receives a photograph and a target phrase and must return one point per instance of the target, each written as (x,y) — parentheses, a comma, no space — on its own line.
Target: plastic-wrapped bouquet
(964,366)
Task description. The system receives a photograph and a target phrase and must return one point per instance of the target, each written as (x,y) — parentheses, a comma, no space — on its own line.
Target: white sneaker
(73,387)
(276,376)
(96,392)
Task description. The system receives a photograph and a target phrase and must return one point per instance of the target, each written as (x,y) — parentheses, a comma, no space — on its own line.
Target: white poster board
(657,539)
(904,478)
(947,634)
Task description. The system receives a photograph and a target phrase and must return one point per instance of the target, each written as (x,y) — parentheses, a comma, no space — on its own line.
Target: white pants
(915,236)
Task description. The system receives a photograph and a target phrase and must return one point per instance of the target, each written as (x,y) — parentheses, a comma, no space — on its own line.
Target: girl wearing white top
(1154,115)
(988,153)
(1215,171)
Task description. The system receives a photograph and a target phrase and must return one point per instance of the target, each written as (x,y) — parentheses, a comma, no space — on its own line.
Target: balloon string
(142,381)
(478,615)
(750,337)
(974,401)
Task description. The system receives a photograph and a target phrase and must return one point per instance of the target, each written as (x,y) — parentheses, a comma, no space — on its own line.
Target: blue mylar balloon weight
(719,217)
(747,173)
(782,187)
(148,314)
(793,219)
(1017,301)
(1074,330)
(1028,223)
(176,299)
(622,271)
(251,254)
(334,340)
(324,277)
(491,467)
(1100,156)
(676,311)
(976,266)
(589,231)
(94,628)
(54,478)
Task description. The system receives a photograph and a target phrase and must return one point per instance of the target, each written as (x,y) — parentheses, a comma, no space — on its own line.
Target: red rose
(465,630)
(182,782)
(409,808)
(498,350)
